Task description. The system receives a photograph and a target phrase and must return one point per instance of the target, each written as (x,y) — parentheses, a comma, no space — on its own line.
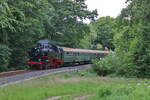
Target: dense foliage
(131,41)
(4,57)
(23,22)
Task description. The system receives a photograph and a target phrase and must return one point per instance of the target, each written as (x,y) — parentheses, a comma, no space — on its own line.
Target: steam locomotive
(47,55)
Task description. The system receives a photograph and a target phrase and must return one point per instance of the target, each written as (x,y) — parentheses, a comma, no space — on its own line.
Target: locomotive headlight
(39,59)
(47,60)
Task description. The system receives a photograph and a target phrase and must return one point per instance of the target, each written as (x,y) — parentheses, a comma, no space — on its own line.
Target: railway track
(7,78)
(11,73)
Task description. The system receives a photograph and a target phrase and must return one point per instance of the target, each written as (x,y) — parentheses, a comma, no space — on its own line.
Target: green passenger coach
(72,55)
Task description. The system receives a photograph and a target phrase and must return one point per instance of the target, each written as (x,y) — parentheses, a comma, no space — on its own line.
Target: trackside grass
(83,85)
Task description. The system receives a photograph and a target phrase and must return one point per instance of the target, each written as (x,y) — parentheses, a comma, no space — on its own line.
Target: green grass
(77,84)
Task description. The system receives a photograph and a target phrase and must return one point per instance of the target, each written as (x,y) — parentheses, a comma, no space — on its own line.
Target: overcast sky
(106,7)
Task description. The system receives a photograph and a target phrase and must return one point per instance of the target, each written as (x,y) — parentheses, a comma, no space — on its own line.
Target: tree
(131,41)
(104,29)
(23,22)
(133,38)
(69,21)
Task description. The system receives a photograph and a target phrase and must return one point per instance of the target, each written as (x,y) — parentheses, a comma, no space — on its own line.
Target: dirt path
(54,98)
(82,97)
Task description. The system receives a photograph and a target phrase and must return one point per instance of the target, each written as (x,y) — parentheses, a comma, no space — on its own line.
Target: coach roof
(83,50)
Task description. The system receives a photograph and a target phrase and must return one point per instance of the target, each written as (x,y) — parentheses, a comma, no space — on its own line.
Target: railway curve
(24,76)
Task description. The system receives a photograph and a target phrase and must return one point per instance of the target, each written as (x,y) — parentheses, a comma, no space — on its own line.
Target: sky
(106,7)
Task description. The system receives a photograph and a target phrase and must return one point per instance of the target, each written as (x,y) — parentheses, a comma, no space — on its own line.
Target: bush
(4,57)
(114,65)
(104,91)
(106,65)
